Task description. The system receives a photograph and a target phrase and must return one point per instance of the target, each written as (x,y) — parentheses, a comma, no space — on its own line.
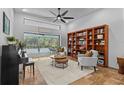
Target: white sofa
(88,61)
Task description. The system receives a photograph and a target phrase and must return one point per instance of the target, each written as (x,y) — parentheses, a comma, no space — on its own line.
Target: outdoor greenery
(41,41)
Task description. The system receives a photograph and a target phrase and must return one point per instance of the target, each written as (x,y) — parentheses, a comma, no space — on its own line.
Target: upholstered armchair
(88,61)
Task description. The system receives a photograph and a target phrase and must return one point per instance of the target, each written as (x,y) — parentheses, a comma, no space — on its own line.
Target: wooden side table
(120,61)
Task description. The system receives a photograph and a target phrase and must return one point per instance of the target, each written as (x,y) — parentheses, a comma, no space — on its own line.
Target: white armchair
(88,61)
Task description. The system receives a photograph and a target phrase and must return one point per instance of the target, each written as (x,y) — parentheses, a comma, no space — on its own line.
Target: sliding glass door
(40,42)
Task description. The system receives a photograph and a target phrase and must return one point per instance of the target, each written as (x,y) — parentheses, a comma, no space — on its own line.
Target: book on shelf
(101,56)
(84,33)
(90,33)
(90,43)
(69,50)
(82,47)
(101,31)
(102,42)
(80,34)
(81,39)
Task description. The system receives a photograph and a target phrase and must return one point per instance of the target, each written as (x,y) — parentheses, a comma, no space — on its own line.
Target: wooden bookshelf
(91,38)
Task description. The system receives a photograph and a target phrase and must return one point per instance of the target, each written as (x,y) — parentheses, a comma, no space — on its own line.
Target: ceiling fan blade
(64,13)
(68,17)
(53,13)
(55,20)
(48,17)
(63,21)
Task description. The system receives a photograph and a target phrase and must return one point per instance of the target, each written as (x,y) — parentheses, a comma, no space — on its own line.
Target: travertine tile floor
(103,76)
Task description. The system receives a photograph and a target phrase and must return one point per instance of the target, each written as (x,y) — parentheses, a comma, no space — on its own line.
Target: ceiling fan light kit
(60,16)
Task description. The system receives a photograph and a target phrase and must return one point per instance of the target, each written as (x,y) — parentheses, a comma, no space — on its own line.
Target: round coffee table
(57,57)
(61,63)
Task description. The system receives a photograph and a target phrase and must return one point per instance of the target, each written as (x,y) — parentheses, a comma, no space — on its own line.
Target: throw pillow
(88,54)
(61,53)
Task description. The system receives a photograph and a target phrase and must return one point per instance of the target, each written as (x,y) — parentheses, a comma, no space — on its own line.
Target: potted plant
(60,49)
(11,40)
(22,45)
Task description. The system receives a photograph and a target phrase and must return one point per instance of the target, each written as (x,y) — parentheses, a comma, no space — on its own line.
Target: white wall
(115,19)
(20,28)
(10,14)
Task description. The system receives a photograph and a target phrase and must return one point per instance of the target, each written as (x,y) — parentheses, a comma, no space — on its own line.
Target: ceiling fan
(61,16)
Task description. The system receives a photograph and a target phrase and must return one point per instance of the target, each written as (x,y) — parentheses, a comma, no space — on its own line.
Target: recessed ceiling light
(67,21)
(24,10)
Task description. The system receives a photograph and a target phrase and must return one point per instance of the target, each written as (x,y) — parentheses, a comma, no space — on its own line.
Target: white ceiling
(44,13)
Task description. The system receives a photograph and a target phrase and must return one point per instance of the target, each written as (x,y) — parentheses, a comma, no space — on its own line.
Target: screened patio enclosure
(41,44)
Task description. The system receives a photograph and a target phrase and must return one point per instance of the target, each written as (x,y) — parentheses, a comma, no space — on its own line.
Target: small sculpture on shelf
(90,37)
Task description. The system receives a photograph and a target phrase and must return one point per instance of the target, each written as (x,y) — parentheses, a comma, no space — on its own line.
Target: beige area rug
(60,76)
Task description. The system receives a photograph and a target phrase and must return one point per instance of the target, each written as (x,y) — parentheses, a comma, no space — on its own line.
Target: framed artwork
(6,24)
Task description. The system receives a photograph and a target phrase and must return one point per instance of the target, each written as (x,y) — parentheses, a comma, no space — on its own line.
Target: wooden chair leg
(67,63)
(81,67)
(23,71)
(52,62)
(30,69)
(55,64)
(94,68)
(33,69)
(78,63)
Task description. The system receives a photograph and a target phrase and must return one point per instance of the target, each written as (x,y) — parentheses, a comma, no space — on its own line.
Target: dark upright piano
(9,65)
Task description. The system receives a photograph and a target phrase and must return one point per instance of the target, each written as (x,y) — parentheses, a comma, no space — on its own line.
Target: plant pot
(11,42)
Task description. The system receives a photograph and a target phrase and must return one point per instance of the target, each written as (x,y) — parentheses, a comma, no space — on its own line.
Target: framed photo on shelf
(6,24)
